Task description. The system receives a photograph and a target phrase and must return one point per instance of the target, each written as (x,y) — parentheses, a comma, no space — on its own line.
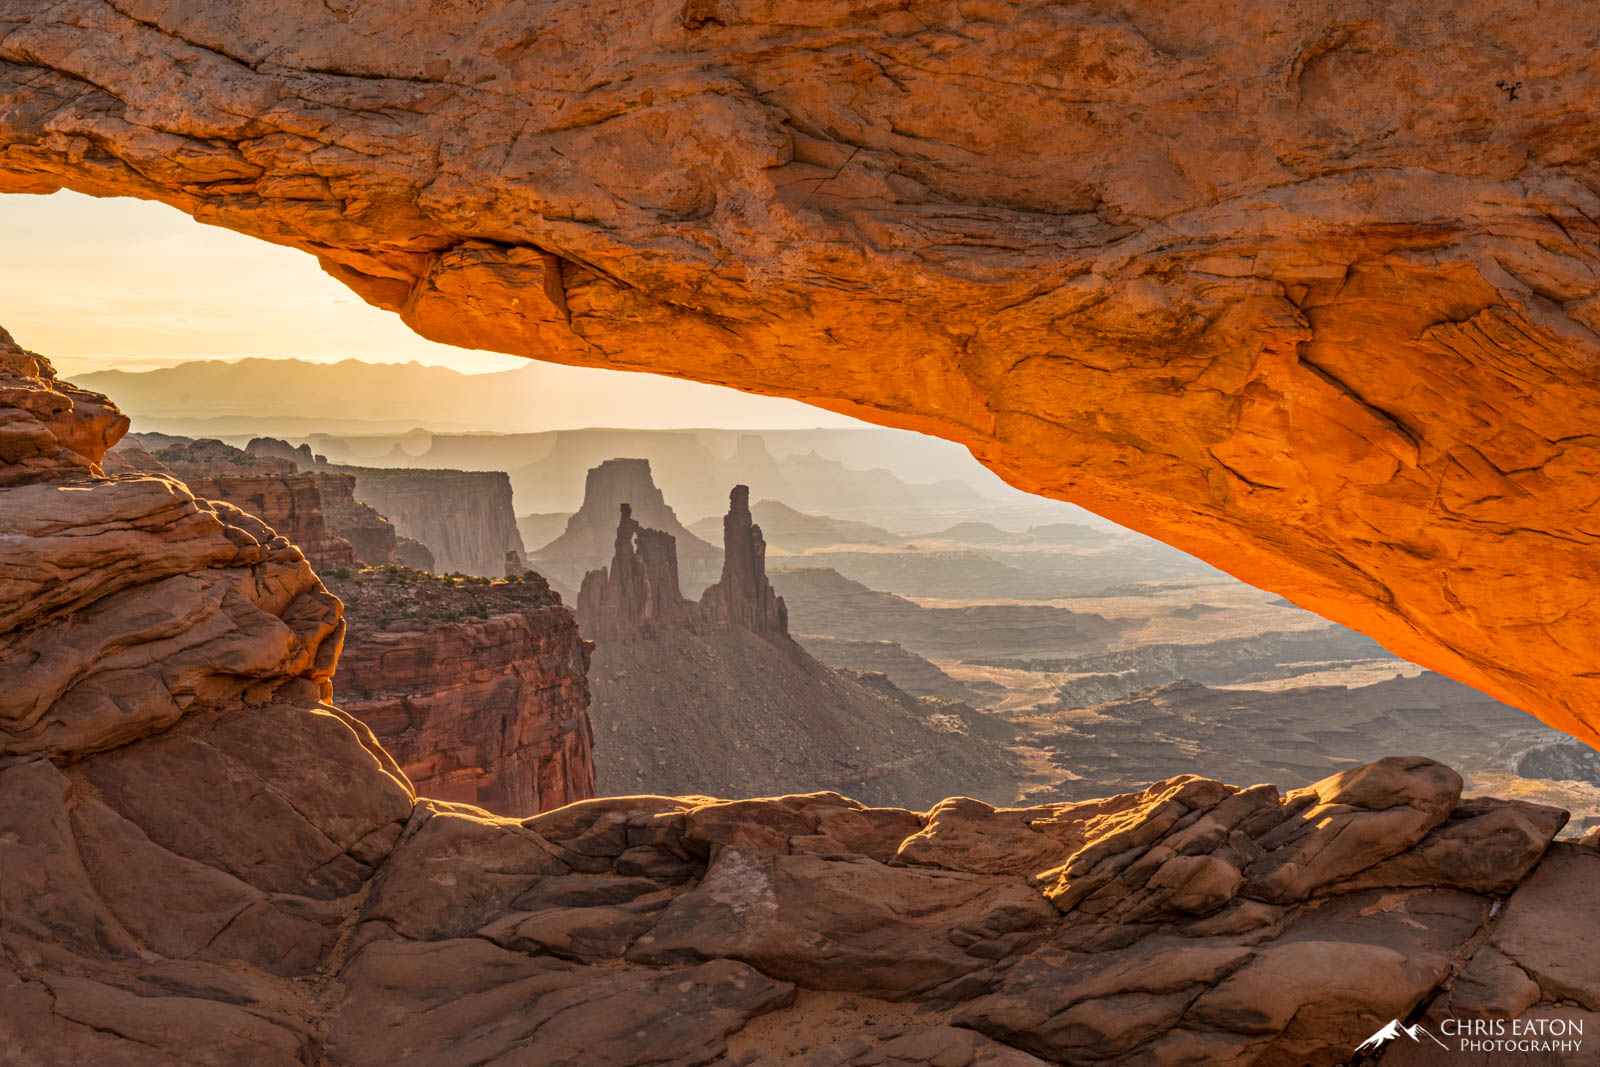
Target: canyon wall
(463,517)
(1308,293)
(372,537)
(477,690)
(205,862)
(316,511)
(271,489)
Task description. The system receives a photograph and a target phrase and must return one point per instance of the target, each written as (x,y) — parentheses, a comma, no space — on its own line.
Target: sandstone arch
(1307,290)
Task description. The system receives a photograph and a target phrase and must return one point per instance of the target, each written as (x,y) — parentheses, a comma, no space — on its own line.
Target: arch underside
(1305,294)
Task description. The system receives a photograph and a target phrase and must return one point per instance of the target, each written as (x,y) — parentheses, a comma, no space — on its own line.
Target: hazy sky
(129,284)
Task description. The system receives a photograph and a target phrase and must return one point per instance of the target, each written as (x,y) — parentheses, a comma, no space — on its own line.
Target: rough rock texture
(268,487)
(1293,736)
(202,863)
(128,456)
(317,511)
(640,591)
(478,690)
(126,602)
(463,517)
(372,537)
(1307,291)
(183,825)
(590,534)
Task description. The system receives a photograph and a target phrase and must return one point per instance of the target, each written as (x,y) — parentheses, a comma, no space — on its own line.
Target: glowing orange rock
(1311,297)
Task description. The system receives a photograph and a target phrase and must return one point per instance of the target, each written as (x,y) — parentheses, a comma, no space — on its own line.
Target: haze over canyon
(1135,604)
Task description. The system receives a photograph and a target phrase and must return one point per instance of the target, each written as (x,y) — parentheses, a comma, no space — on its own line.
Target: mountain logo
(1393,1029)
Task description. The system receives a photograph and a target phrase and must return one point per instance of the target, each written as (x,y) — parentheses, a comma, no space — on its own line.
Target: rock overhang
(1311,297)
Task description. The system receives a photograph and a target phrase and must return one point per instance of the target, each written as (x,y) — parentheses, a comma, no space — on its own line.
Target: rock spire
(640,588)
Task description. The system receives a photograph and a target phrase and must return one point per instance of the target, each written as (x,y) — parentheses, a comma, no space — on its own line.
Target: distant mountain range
(292,396)
(414,415)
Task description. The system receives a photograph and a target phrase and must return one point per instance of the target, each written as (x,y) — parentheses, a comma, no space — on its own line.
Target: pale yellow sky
(133,284)
(129,284)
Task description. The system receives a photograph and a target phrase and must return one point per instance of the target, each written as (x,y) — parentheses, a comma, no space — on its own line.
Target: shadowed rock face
(184,824)
(464,518)
(478,691)
(1309,293)
(743,596)
(639,592)
(372,537)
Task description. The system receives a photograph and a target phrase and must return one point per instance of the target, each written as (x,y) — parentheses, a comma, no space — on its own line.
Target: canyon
(713,697)
(1292,735)
(827,603)
(463,518)
(164,648)
(279,485)
(1308,291)
(451,521)
(271,489)
(478,690)
(1338,350)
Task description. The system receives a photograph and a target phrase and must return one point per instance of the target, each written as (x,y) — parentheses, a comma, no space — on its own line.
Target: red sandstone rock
(372,537)
(49,429)
(1308,292)
(184,826)
(268,487)
(479,691)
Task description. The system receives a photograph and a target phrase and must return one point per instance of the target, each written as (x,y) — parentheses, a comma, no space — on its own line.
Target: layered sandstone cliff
(317,511)
(372,537)
(270,488)
(1307,291)
(478,690)
(464,518)
(587,542)
(203,862)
